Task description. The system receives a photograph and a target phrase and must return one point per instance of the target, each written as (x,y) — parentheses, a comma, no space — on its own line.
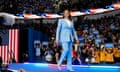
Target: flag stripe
(3,54)
(17,41)
(10,42)
(16,44)
(6,53)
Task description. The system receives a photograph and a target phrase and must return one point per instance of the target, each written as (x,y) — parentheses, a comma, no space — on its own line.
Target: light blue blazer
(65,33)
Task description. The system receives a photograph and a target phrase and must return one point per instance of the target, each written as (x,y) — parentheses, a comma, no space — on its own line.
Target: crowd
(99,40)
(51,6)
(26,6)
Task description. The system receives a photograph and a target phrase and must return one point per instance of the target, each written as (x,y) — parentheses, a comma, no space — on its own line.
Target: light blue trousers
(66,52)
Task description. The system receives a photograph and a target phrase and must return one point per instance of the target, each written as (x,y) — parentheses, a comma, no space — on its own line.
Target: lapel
(65,23)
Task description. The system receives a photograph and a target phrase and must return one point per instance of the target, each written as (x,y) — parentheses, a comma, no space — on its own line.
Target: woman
(64,35)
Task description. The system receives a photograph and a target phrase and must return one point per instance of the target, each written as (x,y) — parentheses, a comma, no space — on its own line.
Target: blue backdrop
(32,36)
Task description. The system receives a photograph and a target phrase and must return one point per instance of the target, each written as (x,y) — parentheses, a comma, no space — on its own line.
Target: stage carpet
(39,67)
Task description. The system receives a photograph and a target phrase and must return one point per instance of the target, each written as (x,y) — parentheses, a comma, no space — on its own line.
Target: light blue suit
(65,34)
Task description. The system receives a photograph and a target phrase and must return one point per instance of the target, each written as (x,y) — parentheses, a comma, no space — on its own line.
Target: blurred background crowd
(51,6)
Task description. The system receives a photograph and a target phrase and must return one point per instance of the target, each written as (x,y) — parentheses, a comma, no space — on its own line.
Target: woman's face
(66,13)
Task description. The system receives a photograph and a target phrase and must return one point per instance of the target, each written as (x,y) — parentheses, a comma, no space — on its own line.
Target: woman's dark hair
(69,13)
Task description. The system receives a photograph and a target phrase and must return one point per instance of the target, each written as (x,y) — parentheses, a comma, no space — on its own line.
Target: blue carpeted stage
(39,67)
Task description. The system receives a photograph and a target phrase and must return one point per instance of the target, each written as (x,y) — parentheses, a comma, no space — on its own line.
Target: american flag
(10,50)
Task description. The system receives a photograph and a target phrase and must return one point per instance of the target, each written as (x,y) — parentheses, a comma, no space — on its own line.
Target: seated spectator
(89,55)
(102,55)
(75,57)
(49,54)
(83,54)
(109,55)
(57,54)
(96,56)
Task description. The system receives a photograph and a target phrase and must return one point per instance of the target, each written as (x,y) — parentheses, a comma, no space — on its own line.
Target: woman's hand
(77,41)
(55,42)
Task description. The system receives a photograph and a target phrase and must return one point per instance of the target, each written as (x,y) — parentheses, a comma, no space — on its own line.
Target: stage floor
(39,67)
